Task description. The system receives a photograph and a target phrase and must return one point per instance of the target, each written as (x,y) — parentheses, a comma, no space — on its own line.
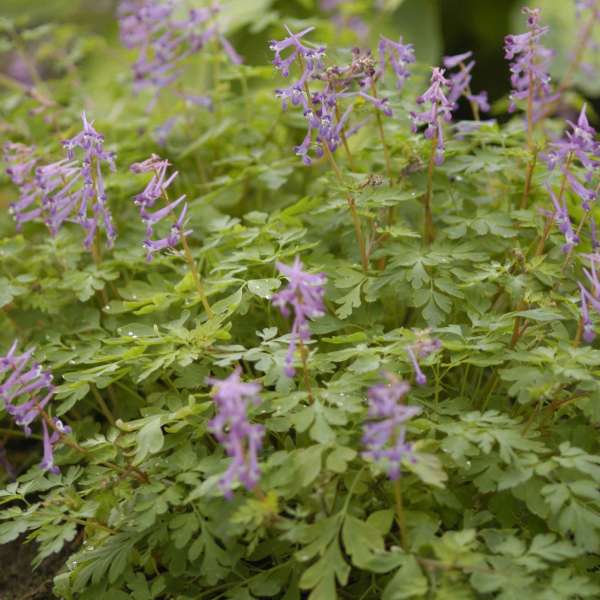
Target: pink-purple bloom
(530,63)
(26,390)
(579,144)
(384,434)
(398,56)
(165,42)
(460,82)
(422,348)
(155,189)
(304,295)
(241,439)
(69,190)
(440,110)
(590,299)
(21,164)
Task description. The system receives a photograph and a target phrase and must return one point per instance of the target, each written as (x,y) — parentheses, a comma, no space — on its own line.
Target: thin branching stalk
(102,404)
(353,212)
(349,198)
(386,150)
(428,231)
(400,517)
(304,358)
(192,265)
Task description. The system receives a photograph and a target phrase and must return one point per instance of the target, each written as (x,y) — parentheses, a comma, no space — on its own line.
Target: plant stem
(304,357)
(352,206)
(192,265)
(400,518)
(386,150)
(428,232)
(351,203)
(528,178)
(103,406)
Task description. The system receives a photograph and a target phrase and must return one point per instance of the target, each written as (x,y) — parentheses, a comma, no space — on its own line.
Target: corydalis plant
(25,391)
(68,190)
(384,434)
(590,299)
(439,111)
(241,439)
(166,42)
(578,148)
(460,83)
(420,349)
(304,295)
(529,67)
(21,162)
(156,189)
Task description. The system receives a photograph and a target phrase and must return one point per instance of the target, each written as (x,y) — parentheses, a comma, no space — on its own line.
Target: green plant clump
(285,331)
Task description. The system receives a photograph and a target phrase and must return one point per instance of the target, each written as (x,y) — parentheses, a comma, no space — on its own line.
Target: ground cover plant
(300,318)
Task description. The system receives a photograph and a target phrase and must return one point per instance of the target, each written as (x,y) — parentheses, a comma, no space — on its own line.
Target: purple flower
(22,379)
(579,144)
(529,66)
(384,435)
(422,348)
(304,294)
(240,439)
(164,42)
(21,170)
(440,110)
(156,188)
(460,82)
(563,220)
(49,442)
(381,104)
(399,56)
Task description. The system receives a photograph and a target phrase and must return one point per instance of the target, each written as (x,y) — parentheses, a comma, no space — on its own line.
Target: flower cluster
(68,190)
(384,434)
(157,188)
(22,378)
(21,170)
(578,146)
(241,439)
(326,119)
(460,83)
(440,110)
(422,348)
(590,299)
(398,56)
(166,42)
(304,294)
(530,63)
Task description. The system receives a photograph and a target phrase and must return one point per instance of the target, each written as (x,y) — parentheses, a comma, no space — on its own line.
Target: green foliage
(503,498)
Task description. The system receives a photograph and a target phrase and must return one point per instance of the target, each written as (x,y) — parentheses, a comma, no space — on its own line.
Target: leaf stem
(428,231)
(304,357)
(400,517)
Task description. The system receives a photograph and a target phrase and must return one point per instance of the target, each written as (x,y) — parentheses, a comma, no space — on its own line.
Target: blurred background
(436,27)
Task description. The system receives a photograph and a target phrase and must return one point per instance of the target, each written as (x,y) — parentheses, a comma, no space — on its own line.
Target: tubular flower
(320,109)
(240,439)
(165,42)
(422,348)
(21,170)
(460,82)
(23,379)
(440,110)
(529,66)
(399,56)
(590,299)
(145,200)
(304,294)
(579,144)
(384,434)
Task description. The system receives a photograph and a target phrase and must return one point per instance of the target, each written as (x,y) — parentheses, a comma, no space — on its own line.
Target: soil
(18,579)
